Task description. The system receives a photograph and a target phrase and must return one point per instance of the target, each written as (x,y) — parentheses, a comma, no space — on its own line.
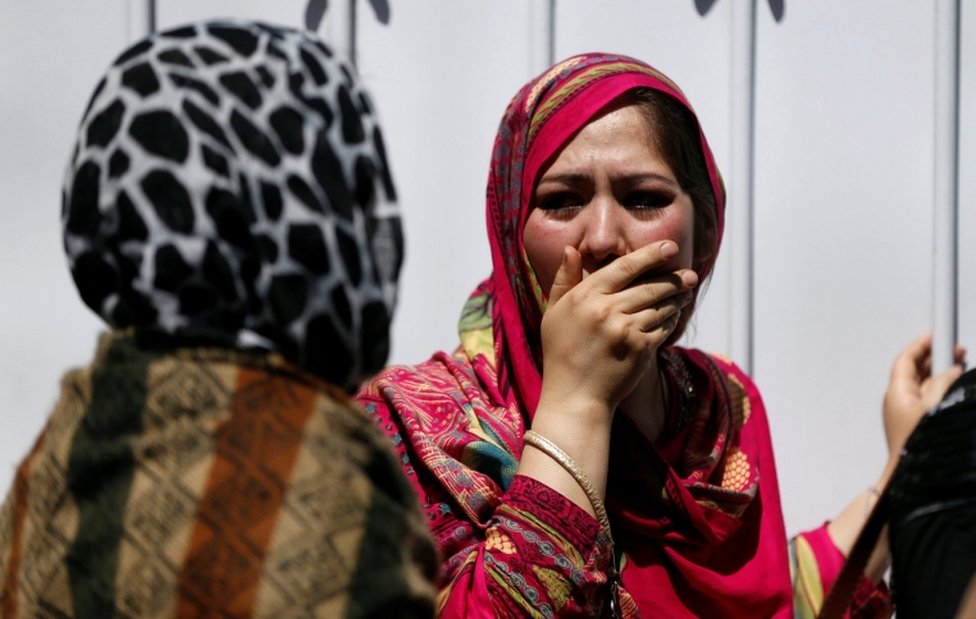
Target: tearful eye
(559,202)
(648,199)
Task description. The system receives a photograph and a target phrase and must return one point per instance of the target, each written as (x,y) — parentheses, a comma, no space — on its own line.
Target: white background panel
(49,65)
(442,74)
(843,238)
(287,12)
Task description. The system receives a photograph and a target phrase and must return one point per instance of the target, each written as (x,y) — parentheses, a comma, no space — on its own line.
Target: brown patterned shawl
(204,482)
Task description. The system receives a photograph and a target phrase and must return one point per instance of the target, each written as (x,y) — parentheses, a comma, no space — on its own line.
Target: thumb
(937,386)
(569,274)
(908,365)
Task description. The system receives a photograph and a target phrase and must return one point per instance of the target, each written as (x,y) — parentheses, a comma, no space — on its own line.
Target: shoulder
(722,363)
(734,373)
(426,395)
(726,386)
(436,373)
(720,371)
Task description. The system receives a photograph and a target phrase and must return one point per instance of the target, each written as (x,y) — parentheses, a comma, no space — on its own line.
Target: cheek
(544,249)
(684,236)
(676,228)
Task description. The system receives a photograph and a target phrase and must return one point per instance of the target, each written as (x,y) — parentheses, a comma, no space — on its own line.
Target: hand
(601,334)
(912,390)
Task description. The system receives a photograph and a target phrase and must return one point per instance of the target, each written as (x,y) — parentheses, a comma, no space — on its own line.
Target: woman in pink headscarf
(571,459)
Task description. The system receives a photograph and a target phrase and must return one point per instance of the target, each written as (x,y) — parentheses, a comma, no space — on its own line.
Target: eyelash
(637,200)
(648,200)
(560,201)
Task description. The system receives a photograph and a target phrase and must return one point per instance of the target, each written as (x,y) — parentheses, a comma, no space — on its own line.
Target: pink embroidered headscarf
(539,121)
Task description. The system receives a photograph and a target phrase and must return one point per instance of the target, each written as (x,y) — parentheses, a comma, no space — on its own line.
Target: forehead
(621,135)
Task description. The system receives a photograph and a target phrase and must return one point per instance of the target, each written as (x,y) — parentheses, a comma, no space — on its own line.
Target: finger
(664,314)
(923,358)
(668,326)
(626,269)
(570,274)
(959,355)
(658,328)
(925,367)
(648,294)
(936,387)
(909,362)
(689,278)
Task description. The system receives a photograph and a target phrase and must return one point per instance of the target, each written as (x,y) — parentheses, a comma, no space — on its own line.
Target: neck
(645,405)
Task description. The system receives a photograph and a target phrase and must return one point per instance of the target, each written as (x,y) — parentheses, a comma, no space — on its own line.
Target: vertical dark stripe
(21,490)
(391,554)
(551,34)
(100,471)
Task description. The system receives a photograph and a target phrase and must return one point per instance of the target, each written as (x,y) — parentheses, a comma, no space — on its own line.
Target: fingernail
(668,249)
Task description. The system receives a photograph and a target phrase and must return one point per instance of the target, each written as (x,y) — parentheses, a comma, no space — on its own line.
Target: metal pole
(142,18)
(551,46)
(740,218)
(946,185)
(541,36)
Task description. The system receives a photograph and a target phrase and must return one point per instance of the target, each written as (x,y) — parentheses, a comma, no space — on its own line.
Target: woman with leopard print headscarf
(229,212)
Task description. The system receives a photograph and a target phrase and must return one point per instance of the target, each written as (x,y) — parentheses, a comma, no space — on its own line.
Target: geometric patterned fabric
(205,482)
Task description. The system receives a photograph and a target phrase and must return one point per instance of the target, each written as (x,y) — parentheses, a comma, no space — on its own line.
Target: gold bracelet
(550,449)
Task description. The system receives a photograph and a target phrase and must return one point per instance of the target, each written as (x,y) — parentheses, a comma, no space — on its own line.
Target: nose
(604,232)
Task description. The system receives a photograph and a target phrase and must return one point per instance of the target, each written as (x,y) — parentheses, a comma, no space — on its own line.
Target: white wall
(843,195)
(51,55)
(843,232)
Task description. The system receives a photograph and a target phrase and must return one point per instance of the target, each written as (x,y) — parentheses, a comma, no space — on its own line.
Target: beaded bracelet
(550,449)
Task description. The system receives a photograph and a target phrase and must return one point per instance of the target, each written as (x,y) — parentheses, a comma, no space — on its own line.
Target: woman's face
(608,193)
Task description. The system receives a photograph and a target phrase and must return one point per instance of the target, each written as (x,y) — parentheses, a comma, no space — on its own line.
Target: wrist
(584,436)
(553,451)
(888,470)
(581,429)
(564,410)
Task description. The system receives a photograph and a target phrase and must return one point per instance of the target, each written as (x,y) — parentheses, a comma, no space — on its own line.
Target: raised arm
(535,546)
(600,337)
(912,390)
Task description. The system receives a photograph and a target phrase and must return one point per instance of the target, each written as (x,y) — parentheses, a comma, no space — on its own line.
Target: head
(603,131)
(628,178)
(229,185)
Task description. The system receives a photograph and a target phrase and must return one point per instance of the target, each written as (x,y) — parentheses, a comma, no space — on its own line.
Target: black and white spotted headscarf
(230,181)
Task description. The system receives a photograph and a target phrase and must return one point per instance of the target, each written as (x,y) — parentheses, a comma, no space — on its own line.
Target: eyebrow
(580,179)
